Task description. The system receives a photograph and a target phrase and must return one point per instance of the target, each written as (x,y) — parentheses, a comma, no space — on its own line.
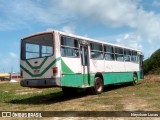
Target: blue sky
(133,23)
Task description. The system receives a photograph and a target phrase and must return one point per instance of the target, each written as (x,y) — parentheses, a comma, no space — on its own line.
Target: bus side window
(127,55)
(108,52)
(96,51)
(119,54)
(69,47)
(134,57)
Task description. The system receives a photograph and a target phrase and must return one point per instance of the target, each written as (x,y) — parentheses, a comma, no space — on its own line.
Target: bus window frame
(111,53)
(132,60)
(116,53)
(23,46)
(102,52)
(128,55)
(65,46)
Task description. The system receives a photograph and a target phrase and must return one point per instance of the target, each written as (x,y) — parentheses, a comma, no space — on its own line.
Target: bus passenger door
(85,63)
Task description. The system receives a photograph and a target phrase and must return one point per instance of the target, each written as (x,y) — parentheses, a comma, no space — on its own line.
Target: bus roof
(80,37)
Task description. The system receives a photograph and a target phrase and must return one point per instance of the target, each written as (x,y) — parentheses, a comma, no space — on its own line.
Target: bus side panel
(73,80)
(96,66)
(71,75)
(114,66)
(119,72)
(133,67)
(117,77)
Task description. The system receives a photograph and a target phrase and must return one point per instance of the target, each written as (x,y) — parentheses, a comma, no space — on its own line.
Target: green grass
(144,96)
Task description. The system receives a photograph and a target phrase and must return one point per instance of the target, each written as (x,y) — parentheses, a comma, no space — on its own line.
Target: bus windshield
(37,46)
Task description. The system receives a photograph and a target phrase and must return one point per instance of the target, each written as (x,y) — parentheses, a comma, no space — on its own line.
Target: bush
(152,64)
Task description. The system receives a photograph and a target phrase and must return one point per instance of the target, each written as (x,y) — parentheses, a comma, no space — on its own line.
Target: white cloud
(18,14)
(119,13)
(129,39)
(132,40)
(148,25)
(13,55)
(113,13)
(69,29)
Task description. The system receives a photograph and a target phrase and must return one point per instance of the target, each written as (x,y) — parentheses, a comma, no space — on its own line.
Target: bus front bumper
(38,83)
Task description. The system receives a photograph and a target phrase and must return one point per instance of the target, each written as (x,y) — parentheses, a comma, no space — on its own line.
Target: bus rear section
(39,64)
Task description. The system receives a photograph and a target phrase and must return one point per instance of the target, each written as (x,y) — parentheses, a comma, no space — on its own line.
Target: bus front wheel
(98,86)
(135,79)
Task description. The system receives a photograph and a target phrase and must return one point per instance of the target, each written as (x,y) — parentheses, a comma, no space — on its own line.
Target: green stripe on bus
(44,71)
(78,80)
(65,68)
(36,67)
(27,71)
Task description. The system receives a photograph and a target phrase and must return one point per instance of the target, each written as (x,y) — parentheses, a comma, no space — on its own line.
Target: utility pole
(11,73)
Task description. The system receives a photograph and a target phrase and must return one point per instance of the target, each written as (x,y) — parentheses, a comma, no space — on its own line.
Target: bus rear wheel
(98,86)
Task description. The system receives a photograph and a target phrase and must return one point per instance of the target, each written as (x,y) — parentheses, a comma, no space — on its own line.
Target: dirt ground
(142,97)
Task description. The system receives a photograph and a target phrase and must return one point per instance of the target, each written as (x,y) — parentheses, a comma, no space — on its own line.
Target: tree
(152,64)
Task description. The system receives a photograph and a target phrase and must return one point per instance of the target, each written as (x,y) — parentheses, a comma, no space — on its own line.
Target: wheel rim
(135,79)
(99,86)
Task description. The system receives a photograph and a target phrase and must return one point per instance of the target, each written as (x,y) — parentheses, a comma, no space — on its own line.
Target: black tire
(98,86)
(135,79)
(68,91)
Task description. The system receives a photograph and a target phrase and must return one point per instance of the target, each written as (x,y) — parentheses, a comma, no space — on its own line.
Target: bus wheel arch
(98,84)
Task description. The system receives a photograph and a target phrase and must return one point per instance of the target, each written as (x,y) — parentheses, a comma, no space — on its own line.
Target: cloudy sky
(133,23)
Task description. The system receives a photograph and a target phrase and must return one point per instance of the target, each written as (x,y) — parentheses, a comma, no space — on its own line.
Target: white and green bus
(54,58)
